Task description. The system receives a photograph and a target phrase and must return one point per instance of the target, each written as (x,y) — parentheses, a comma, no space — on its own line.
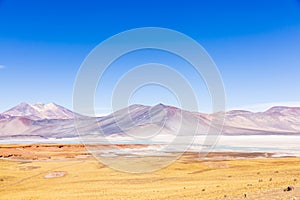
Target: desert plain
(51,171)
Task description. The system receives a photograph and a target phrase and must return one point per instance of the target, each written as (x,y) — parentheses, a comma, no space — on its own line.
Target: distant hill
(40,111)
(54,121)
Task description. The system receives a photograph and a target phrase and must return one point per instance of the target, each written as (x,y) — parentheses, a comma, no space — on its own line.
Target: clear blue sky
(255,44)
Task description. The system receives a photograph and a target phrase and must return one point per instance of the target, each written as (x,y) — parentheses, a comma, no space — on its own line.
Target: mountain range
(54,121)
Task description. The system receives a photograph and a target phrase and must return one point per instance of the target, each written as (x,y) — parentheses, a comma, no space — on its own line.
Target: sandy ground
(69,172)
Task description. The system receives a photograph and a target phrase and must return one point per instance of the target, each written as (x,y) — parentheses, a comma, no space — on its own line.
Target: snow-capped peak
(40,111)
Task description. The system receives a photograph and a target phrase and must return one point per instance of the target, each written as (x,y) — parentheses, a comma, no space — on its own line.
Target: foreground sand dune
(70,173)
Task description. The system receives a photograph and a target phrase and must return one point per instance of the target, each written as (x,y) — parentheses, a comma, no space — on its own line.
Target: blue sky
(255,44)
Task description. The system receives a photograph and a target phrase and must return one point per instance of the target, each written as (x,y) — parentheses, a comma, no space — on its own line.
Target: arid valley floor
(70,172)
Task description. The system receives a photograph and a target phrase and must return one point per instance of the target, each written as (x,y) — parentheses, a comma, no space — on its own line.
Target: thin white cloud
(265,106)
(2,67)
(100,112)
(97,112)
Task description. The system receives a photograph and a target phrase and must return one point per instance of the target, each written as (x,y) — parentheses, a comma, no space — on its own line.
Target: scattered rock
(295,179)
(276,172)
(1,179)
(289,188)
(55,174)
(270,179)
(203,190)
(70,156)
(25,162)
(260,180)
(245,195)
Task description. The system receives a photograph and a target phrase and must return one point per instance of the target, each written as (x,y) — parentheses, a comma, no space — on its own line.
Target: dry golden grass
(187,178)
